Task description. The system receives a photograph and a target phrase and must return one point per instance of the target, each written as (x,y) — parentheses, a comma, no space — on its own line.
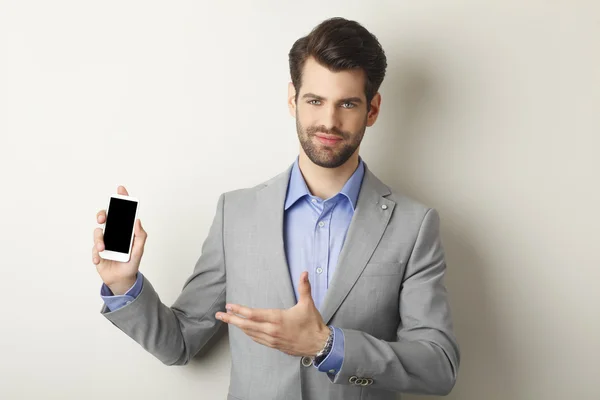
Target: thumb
(139,239)
(304,288)
(121,190)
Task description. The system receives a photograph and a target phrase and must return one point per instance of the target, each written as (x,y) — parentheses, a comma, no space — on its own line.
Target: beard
(328,156)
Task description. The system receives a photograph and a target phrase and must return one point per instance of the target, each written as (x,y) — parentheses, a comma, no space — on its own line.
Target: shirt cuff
(332,364)
(115,302)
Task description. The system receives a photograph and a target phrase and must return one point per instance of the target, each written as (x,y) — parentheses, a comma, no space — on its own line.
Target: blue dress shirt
(314,233)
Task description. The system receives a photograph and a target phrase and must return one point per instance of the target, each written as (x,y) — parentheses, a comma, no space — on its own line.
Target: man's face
(331,113)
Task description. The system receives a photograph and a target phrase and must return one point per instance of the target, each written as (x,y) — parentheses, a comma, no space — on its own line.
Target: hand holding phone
(118,248)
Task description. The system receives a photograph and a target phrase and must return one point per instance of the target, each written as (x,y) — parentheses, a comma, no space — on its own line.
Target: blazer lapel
(271,201)
(370,219)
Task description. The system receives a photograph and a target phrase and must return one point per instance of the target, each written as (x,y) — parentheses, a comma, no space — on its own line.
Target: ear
(374,111)
(292,99)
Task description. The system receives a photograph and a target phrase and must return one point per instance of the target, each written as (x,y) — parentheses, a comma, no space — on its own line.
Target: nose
(331,117)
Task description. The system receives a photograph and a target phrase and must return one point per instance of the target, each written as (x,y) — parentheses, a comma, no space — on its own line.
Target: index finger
(255,314)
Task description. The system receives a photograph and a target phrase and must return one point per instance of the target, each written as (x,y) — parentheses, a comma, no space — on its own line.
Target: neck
(326,182)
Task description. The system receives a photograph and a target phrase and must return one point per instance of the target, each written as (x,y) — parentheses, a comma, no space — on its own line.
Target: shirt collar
(297,185)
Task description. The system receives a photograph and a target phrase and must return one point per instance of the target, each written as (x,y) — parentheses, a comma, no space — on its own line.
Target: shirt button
(321,224)
(332,371)
(314,200)
(319,270)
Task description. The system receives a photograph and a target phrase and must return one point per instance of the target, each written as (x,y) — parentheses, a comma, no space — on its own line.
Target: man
(330,283)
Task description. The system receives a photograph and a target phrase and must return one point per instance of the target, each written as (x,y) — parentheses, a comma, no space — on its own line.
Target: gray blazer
(388,296)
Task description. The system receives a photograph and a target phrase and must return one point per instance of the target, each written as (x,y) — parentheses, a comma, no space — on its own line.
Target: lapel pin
(384,206)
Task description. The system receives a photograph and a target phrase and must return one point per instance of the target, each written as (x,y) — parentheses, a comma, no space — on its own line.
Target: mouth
(328,139)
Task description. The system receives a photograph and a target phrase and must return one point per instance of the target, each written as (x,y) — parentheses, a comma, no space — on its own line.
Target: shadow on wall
(413,95)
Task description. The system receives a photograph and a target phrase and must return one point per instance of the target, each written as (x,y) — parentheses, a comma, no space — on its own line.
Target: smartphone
(121,214)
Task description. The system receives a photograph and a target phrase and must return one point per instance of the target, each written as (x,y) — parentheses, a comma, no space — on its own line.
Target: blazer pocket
(382,268)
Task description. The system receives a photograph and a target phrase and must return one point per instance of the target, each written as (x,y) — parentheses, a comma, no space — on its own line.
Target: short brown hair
(340,44)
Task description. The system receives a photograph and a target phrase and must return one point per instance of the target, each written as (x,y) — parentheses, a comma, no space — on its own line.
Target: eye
(311,102)
(350,105)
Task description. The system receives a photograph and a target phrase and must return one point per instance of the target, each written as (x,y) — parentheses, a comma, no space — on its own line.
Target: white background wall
(490,113)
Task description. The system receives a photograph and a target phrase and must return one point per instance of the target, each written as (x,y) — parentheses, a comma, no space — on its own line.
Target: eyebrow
(348,99)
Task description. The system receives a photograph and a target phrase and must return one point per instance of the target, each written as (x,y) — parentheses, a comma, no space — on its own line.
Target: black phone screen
(120,219)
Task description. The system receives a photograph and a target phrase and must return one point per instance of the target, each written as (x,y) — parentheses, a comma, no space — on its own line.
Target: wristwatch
(326,349)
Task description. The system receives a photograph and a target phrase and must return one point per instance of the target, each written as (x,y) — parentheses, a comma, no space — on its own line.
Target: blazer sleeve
(175,334)
(114,302)
(425,357)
